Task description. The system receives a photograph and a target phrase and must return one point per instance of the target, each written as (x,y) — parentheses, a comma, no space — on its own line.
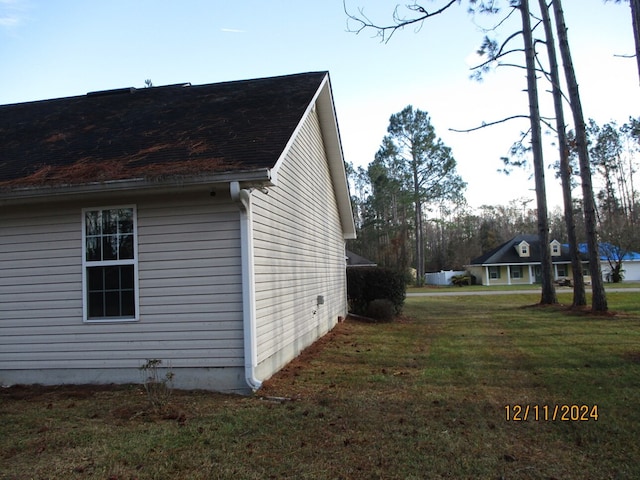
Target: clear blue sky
(61,48)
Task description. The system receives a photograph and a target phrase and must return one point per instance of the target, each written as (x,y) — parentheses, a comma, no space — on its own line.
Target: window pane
(128,304)
(96,305)
(110,247)
(125,220)
(112,304)
(126,277)
(95,279)
(94,249)
(112,278)
(109,221)
(93,221)
(126,247)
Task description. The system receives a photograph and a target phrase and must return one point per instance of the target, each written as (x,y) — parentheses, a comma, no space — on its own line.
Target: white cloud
(9,21)
(13,12)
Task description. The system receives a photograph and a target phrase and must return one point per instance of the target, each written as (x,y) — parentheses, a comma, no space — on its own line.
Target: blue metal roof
(607,250)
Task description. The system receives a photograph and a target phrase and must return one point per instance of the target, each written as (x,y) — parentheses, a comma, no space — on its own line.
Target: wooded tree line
(536,30)
(454,232)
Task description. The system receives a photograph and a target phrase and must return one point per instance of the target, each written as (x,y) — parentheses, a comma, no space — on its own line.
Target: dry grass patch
(423,397)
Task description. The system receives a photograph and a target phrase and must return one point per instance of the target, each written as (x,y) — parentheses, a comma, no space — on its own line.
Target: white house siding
(299,254)
(631,270)
(189,290)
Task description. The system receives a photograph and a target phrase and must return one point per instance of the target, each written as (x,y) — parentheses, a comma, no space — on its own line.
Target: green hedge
(364,285)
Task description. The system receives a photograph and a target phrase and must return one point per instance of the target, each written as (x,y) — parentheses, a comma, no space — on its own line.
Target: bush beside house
(375,291)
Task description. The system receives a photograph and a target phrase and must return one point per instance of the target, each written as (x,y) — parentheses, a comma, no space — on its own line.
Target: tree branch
(490,124)
(386,32)
(493,59)
(508,39)
(499,24)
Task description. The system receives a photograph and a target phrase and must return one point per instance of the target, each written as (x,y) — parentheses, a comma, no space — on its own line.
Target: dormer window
(523,249)
(556,248)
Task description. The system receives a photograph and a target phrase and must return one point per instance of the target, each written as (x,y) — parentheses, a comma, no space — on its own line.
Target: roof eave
(323,102)
(333,146)
(36,194)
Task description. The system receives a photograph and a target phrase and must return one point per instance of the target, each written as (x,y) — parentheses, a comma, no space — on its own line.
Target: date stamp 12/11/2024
(551,413)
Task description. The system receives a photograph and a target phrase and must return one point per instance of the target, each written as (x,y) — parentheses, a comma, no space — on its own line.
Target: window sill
(112,320)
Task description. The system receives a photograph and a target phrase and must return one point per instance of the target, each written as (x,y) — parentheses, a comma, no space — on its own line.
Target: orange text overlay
(551,413)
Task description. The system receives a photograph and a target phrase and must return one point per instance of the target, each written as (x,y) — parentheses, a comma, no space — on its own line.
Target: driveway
(463,292)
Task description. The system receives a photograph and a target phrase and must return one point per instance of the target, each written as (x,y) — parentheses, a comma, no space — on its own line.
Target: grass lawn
(488,288)
(422,397)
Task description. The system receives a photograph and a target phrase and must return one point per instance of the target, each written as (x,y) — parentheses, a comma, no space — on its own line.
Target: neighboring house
(517,262)
(203,226)
(610,254)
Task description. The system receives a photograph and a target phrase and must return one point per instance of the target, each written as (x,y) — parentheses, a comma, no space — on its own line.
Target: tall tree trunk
(599,298)
(419,246)
(579,295)
(548,290)
(419,229)
(635,18)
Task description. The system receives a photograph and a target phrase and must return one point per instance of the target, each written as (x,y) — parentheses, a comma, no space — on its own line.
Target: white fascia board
(333,147)
(323,101)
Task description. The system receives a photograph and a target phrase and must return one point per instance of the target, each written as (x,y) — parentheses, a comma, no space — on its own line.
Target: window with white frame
(555,248)
(516,271)
(494,272)
(562,270)
(110,269)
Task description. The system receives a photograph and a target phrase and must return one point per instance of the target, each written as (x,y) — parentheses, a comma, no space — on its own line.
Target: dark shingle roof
(159,131)
(507,253)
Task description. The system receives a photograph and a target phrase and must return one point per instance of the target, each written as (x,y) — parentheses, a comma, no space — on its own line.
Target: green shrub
(381,309)
(364,285)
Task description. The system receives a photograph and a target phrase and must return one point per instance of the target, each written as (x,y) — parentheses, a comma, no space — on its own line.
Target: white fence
(442,277)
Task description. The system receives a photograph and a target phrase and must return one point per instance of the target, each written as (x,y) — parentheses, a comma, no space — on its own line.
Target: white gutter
(40,193)
(243,198)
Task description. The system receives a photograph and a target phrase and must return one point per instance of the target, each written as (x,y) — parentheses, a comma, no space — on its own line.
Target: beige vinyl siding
(299,254)
(40,268)
(189,291)
(189,267)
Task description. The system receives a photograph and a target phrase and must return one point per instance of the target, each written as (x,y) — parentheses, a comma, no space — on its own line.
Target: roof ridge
(116,90)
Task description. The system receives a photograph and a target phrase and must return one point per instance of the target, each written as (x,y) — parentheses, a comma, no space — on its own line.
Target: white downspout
(243,198)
